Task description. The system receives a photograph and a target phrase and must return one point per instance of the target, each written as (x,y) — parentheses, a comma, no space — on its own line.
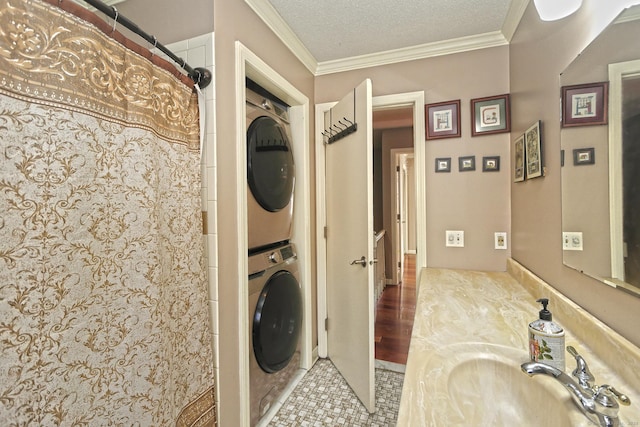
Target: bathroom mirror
(601,161)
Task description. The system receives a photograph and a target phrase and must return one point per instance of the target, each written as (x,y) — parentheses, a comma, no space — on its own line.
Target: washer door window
(277,321)
(269,164)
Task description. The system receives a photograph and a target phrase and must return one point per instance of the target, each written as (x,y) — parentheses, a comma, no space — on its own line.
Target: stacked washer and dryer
(275,298)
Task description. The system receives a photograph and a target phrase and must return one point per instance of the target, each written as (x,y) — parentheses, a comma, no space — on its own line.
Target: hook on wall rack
(338,130)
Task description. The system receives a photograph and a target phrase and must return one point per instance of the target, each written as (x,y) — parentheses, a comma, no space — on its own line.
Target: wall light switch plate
(454,238)
(500,240)
(572,240)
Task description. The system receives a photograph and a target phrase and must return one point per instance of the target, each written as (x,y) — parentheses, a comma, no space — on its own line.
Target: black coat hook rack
(340,129)
(341,132)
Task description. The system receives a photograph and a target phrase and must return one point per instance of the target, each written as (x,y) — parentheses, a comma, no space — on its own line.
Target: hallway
(394,316)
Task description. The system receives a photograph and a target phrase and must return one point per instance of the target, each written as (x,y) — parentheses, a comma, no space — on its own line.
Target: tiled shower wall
(199,52)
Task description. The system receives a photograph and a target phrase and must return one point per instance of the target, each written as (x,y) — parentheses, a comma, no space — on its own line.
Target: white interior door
(350,239)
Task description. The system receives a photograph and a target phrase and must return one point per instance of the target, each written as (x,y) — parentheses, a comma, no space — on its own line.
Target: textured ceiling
(338,29)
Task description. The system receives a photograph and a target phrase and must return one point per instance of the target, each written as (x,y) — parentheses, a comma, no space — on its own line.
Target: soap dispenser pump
(546,339)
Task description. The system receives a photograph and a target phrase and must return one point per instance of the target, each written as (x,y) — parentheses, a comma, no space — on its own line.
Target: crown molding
(427,50)
(274,21)
(281,29)
(514,15)
(630,14)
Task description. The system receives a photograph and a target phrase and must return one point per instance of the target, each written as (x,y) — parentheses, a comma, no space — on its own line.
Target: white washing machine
(275,324)
(270,170)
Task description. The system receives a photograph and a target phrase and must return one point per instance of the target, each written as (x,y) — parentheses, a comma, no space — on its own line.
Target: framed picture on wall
(584,156)
(533,151)
(443,164)
(490,115)
(519,159)
(491,164)
(584,105)
(443,119)
(467,163)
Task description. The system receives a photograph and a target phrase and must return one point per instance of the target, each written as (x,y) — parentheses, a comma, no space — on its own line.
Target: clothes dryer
(275,323)
(270,170)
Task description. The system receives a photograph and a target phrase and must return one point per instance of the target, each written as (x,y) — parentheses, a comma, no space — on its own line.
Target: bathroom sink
(492,391)
(476,384)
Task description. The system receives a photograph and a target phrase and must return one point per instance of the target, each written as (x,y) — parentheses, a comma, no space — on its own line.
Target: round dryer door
(277,322)
(270,165)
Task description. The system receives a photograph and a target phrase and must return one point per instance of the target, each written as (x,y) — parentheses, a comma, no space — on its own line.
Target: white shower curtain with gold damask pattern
(103,298)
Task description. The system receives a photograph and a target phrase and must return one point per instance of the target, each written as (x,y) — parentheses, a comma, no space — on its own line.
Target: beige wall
(475,202)
(539,52)
(169,21)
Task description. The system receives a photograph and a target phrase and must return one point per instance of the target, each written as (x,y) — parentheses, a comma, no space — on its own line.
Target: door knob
(362,261)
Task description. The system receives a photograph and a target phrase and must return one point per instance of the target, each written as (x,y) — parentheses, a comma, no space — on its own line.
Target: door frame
(617,72)
(248,64)
(415,99)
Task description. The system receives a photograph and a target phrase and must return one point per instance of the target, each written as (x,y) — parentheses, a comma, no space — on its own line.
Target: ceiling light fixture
(551,10)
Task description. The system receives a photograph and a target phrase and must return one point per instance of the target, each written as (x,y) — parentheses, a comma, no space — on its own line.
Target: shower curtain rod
(200,75)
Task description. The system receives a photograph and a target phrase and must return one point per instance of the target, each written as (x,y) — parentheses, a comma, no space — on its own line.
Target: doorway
(631,177)
(624,78)
(403,199)
(395,215)
(251,66)
(410,99)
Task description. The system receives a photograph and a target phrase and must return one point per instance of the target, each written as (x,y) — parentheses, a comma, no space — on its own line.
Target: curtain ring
(155,45)
(115,18)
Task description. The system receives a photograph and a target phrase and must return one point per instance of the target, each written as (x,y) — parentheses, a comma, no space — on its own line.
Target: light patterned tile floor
(323,398)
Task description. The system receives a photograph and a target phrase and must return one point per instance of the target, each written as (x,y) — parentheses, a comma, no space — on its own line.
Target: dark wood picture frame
(491,164)
(584,156)
(466,163)
(490,115)
(585,104)
(443,164)
(443,119)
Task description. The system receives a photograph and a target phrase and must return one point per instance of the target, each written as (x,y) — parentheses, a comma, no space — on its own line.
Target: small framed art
(533,151)
(519,159)
(443,164)
(584,156)
(584,105)
(467,163)
(443,119)
(490,115)
(491,164)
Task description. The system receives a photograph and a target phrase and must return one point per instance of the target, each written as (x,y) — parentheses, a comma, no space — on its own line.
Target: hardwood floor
(394,316)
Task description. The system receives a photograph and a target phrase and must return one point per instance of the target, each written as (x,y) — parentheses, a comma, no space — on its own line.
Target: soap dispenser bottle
(546,339)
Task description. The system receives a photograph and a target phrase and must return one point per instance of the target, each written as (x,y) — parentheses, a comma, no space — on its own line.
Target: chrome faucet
(599,403)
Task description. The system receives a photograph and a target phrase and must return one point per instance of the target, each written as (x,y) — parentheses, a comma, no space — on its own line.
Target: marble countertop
(491,310)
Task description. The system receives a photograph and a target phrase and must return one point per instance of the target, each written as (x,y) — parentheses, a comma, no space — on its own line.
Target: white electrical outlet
(572,240)
(454,238)
(500,239)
